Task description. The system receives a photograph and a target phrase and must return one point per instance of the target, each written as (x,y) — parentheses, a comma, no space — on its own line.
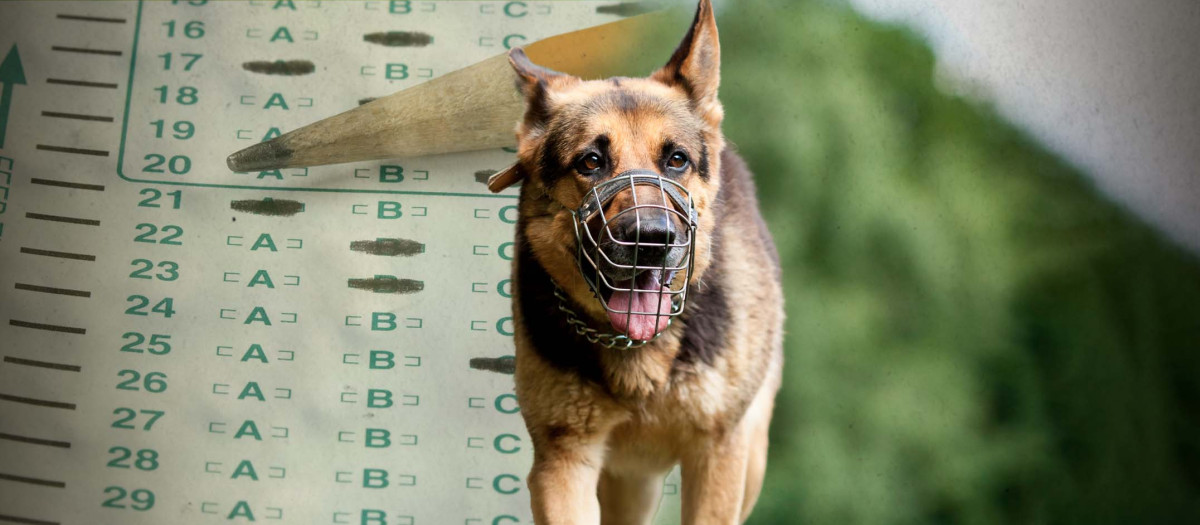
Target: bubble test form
(186,344)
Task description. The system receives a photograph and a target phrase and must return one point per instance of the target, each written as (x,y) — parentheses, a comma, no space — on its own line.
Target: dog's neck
(625,373)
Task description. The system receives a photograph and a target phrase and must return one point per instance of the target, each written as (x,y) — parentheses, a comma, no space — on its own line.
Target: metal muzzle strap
(604,192)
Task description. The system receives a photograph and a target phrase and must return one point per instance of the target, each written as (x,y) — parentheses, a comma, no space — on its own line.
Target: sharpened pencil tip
(268,155)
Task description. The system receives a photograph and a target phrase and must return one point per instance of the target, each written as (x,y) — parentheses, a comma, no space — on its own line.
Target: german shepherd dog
(653,338)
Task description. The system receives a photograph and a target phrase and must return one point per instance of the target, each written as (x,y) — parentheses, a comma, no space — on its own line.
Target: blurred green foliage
(975,334)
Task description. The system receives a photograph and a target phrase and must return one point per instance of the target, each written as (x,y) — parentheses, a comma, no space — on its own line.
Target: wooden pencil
(473,108)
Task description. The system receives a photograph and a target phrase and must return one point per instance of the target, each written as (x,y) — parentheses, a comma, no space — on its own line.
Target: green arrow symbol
(11,74)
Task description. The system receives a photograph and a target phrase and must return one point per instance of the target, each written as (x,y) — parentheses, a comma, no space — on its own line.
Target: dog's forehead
(593,106)
(580,92)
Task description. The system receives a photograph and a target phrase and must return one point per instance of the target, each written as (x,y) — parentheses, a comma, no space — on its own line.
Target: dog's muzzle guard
(635,294)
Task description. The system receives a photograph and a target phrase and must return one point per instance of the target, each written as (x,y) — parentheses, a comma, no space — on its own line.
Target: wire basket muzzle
(642,255)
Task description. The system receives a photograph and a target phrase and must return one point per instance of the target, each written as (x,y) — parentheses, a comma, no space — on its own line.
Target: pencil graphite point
(271,154)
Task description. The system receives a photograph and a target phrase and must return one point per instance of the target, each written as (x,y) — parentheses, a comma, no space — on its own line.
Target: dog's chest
(686,404)
(658,432)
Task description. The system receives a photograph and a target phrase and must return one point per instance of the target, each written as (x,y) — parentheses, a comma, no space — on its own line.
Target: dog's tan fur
(608,424)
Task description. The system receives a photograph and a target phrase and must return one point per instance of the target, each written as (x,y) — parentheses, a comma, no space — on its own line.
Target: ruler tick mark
(81,83)
(48,327)
(35,441)
(26,521)
(50,289)
(63,255)
(42,364)
(83,18)
(33,481)
(86,51)
(80,151)
(76,116)
(37,402)
(60,218)
(66,184)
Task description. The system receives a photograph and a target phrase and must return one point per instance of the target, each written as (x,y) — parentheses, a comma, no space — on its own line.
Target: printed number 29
(138,499)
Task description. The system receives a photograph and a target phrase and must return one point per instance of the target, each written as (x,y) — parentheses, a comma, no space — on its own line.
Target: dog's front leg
(562,483)
(714,480)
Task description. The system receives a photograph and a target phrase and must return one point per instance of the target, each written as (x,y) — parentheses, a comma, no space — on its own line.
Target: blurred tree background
(975,334)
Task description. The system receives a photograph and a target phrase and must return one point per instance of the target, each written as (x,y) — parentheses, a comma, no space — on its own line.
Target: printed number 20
(178,165)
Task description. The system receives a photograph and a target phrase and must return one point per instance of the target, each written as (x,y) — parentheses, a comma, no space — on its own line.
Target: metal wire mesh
(607,276)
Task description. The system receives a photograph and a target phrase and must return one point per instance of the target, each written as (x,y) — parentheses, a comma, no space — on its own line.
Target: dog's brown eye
(677,161)
(589,163)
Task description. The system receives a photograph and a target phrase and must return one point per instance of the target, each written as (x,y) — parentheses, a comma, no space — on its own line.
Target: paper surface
(176,349)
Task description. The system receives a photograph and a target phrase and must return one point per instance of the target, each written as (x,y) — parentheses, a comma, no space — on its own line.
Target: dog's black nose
(650,231)
(649,237)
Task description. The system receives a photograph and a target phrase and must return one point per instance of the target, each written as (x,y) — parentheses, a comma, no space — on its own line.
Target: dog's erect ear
(696,64)
(535,82)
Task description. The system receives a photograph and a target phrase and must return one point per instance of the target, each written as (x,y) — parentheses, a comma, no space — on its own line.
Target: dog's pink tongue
(641,326)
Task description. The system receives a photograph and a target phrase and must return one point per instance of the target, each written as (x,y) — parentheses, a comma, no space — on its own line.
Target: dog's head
(631,147)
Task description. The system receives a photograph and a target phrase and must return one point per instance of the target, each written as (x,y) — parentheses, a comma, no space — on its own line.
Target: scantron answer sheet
(183,344)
